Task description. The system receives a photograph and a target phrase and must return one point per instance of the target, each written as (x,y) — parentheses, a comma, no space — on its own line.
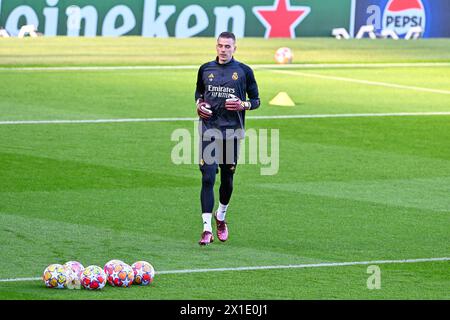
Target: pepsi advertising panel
(433,16)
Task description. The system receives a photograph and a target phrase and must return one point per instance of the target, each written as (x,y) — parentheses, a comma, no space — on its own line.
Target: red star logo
(281,19)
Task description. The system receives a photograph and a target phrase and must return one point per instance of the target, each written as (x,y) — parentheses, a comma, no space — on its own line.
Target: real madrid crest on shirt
(211,77)
(235,76)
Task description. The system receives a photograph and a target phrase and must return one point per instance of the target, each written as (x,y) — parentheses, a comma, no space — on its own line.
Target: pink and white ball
(144,273)
(75,266)
(284,55)
(93,278)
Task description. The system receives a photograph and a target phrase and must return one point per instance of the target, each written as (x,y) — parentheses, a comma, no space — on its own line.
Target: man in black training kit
(221,99)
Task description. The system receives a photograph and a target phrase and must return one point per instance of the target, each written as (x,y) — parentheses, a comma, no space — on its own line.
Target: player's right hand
(203,109)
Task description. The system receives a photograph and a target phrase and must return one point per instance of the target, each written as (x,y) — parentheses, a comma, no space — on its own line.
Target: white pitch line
(289,266)
(255,66)
(372,83)
(96,121)
(298,116)
(351,115)
(21,279)
(352,65)
(309,265)
(99,68)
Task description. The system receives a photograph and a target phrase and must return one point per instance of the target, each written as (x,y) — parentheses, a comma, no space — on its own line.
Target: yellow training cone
(282,99)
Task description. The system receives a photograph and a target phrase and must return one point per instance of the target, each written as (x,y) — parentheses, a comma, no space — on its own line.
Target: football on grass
(93,278)
(284,55)
(144,273)
(119,274)
(55,276)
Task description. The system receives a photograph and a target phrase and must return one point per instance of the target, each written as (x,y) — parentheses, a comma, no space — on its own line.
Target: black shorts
(219,152)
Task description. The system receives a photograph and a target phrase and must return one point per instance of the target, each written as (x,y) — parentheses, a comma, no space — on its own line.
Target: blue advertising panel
(401,15)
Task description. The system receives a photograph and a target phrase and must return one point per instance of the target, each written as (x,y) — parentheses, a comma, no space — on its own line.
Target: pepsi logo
(401,15)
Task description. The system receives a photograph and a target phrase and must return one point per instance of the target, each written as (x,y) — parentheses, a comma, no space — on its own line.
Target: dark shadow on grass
(20,173)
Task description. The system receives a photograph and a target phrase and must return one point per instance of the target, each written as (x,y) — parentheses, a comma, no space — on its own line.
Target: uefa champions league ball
(119,274)
(93,278)
(144,273)
(109,266)
(112,262)
(72,279)
(55,276)
(284,55)
(75,266)
(74,269)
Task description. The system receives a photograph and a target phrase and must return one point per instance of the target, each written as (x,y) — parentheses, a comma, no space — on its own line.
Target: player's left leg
(227,170)
(225,191)
(226,188)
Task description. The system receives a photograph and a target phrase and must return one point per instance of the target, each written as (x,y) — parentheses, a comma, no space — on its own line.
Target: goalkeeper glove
(203,109)
(236,104)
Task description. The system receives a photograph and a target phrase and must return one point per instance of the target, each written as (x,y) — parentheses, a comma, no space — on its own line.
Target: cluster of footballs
(73,275)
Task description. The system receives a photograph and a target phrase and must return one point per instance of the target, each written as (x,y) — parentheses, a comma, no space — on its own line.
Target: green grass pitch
(348,189)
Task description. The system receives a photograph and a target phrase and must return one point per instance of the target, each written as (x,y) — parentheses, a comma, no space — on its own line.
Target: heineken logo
(152,18)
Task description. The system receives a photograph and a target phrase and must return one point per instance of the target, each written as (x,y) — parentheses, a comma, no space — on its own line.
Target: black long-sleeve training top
(217,82)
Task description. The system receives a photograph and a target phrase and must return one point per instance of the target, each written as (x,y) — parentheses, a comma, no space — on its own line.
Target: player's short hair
(227,35)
